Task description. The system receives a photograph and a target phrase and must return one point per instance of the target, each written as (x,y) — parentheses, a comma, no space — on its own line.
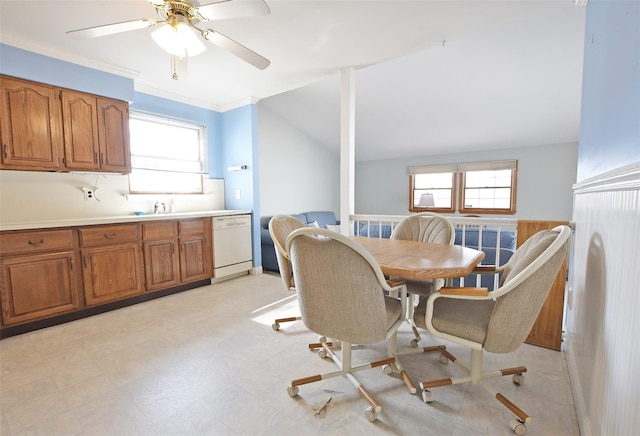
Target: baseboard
(576,389)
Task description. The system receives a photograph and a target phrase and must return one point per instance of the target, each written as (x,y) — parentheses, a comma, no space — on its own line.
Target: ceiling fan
(179,19)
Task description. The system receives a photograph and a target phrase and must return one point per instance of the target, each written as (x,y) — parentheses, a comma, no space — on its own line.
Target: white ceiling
(432,76)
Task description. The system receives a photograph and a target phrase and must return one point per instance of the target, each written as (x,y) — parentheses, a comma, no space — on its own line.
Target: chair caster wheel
(518,427)
(322,353)
(518,379)
(415,343)
(427,396)
(443,359)
(387,369)
(370,414)
(275,327)
(322,339)
(292,391)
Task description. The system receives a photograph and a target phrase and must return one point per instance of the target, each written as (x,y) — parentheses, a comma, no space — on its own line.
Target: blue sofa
(269,261)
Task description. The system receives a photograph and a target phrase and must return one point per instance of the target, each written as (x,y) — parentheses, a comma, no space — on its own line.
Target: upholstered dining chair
(280,227)
(341,295)
(498,321)
(424,227)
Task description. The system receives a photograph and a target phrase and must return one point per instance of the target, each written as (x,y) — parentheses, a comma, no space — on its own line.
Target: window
(481,187)
(433,188)
(167,156)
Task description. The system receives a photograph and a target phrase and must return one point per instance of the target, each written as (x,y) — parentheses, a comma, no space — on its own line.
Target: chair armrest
(468,291)
(488,269)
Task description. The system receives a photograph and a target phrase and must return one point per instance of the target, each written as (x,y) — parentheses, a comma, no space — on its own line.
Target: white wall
(296,173)
(545,178)
(41,196)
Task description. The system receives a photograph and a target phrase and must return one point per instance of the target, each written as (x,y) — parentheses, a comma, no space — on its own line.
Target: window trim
(458,188)
(451,209)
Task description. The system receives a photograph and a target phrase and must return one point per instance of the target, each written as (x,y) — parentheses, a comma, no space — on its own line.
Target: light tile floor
(206,362)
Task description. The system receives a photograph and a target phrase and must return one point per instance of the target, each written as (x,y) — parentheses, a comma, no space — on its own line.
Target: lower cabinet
(196,252)
(111,273)
(38,286)
(176,252)
(50,272)
(161,254)
(111,262)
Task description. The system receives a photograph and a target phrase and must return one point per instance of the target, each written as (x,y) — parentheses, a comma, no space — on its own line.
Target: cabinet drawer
(103,235)
(192,227)
(159,230)
(30,242)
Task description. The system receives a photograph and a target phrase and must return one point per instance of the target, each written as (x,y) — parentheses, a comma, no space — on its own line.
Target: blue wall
(44,69)
(610,119)
(240,139)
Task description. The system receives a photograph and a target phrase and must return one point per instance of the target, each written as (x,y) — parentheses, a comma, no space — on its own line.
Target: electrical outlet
(237,194)
(89,194)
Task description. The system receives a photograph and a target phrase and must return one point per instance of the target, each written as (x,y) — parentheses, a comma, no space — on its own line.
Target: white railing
(381,226)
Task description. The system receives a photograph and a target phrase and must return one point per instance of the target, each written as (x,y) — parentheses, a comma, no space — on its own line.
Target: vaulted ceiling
(432,77)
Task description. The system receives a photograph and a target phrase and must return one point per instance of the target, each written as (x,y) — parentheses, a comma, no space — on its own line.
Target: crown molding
(67,57)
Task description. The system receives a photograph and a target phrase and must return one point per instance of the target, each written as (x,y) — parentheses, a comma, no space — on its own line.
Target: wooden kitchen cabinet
(30,126)
(80,116)
(161,254)
(176,252)
(60,274)
(96,133)
(111,262)
(38,275)
(45,128)
(113,135)
(196,252)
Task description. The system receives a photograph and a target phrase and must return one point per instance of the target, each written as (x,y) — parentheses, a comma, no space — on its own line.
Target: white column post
(347,147)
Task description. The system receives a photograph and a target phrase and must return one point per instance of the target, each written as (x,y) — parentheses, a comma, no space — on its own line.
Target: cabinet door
(111,273)
(193,259)
(80,131)
(37,286)
(30,126)
(113,135)
(162,266)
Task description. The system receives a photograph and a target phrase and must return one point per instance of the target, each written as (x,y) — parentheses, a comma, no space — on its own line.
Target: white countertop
(116,219)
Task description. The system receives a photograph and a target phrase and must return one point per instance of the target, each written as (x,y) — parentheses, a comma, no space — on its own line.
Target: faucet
(160,207)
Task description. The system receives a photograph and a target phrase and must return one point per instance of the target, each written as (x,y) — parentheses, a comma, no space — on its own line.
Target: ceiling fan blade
(236,48)
(232,9)
(110,29)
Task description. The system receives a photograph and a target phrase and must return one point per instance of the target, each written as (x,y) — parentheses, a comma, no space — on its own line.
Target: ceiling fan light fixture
(178,38)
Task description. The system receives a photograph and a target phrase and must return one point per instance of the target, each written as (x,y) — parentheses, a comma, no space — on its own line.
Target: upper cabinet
(30,126)
(45,128)
(113,135)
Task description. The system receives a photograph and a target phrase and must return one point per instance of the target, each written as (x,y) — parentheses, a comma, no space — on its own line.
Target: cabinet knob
(37,243)
(110,235)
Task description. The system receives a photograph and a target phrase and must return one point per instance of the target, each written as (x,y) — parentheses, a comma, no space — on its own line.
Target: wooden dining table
(421,260)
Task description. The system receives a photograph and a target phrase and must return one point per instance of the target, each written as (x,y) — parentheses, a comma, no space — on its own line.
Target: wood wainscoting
(547,330)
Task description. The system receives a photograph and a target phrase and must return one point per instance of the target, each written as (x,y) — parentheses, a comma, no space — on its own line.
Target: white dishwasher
(232,246)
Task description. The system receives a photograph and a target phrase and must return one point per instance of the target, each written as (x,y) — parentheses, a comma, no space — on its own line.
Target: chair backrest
(280,226)
(526,282)
(425,227)
(339,285)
